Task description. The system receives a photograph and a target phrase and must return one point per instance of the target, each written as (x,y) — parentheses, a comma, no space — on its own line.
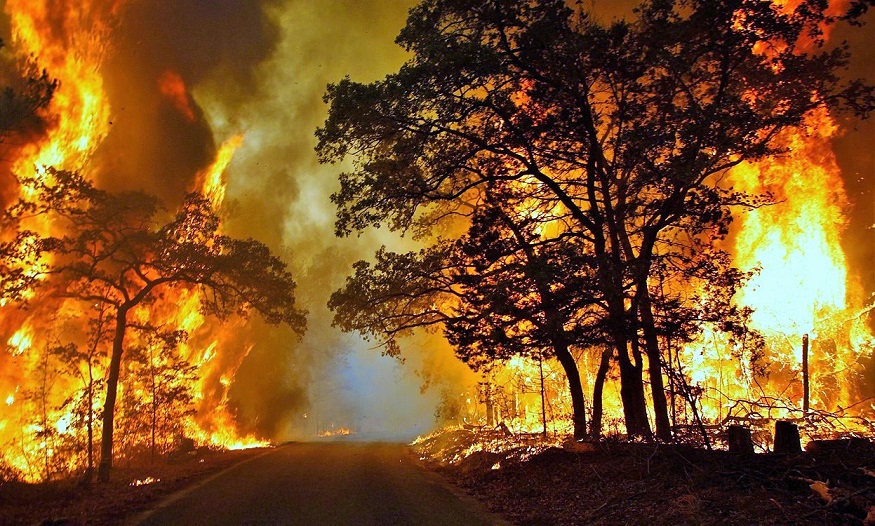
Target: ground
(533,483)
(622,483)
(130,490)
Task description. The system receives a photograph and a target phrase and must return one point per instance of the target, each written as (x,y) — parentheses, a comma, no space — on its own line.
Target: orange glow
(70,41)
(341,431)
(213,186)
(173,87)
(803,285)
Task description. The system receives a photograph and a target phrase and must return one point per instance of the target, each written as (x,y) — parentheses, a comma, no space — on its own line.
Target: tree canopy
(124,251)
(615,135)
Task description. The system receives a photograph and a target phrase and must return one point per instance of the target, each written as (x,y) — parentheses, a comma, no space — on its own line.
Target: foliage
(616,137)
(29,90)
(124,251)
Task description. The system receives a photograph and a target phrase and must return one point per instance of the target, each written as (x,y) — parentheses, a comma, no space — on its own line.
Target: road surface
(322,483)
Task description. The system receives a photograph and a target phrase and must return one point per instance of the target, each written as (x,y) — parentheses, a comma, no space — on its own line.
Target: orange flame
(173,87)
(213,186)
(71,42)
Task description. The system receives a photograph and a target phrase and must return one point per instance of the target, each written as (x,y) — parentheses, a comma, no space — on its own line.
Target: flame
(803,285)
(71,42)
(213,186)
(173,87)
(21,341)
(341,431)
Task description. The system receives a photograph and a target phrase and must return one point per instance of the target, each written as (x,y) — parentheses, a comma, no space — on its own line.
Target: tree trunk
(597,393)
(154,406)
(89,423)
(578,403)
(632,392)
(654,360)
(787,438)
(543,401)
(740,440)
(111,392)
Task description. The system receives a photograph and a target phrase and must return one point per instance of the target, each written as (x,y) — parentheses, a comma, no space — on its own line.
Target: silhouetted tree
(85,363)
(27,91)
(123,250)
(622,130)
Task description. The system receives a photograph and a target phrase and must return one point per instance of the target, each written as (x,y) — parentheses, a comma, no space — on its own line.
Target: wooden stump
(739,440)
(787,438)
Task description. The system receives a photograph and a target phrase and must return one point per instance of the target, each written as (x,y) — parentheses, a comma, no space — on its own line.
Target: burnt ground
(70,502)
(622,483)
(533,484)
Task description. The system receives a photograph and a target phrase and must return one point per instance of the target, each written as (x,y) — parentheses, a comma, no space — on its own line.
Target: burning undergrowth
(476,448)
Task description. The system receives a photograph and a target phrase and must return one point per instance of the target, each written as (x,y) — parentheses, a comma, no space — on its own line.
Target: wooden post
(805,377)
(739,440)
(543,404)
(485,392)
(787,438)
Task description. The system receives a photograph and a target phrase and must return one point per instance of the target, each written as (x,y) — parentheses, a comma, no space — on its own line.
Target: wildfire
(801,287)
(802,283)
(173,87)
(71,44)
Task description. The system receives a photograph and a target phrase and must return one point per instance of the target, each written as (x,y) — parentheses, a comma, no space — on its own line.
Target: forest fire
(184,391)
(675,246)
(180,364)
(801,290)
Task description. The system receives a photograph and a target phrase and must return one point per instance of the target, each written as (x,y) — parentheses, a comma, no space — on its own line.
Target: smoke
(183,77)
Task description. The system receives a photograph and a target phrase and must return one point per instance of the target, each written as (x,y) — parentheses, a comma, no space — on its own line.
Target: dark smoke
(261,68)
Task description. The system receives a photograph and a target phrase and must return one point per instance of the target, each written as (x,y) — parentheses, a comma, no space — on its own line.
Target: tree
(123,251)
(623,129)
(29,91)
(496,292)
(85,363)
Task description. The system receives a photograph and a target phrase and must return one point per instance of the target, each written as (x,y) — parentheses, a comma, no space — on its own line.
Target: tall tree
(624,128)
(499,291)
(123,251)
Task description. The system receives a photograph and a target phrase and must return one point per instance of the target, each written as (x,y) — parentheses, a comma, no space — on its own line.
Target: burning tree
(123,252)
(27,92)
(619,137)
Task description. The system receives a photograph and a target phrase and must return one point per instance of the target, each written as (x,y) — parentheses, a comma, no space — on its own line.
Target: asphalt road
(322,484)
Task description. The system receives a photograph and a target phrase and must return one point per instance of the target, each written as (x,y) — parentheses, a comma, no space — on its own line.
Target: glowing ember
(144,482)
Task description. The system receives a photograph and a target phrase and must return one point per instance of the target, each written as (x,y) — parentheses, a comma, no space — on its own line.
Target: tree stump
(787,438)
(739,440)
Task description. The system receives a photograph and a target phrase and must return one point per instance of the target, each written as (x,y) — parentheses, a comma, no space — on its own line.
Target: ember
(144,482)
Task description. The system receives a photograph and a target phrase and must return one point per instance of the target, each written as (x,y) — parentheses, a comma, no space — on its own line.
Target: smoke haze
(260,69)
